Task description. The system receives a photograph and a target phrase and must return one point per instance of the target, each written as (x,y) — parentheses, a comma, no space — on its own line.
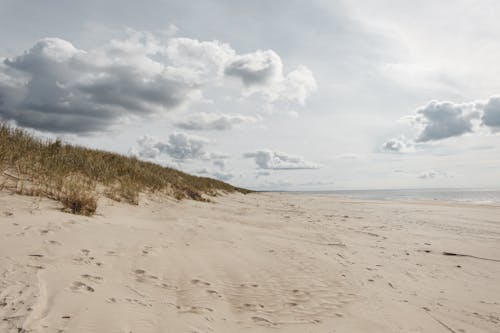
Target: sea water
(480,196)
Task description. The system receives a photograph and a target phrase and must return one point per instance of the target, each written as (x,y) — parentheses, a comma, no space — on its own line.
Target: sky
(268,95)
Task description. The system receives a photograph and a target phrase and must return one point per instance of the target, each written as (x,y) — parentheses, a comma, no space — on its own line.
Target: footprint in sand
(141,276)
(147,250)
(80,286)
(212,292)
(251,307)
(135,301)
(197,282)
(92,277)
(138,302)
(253,285)
(86,259)
(194,309)
(167,286)
(262,320)
(299,296)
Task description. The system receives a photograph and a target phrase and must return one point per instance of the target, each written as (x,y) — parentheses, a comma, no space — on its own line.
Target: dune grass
(77,176)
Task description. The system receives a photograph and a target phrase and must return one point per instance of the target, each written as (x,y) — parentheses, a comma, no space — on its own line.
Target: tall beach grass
(77,176)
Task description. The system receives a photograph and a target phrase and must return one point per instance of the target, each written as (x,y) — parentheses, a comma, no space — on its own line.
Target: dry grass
(76,176)
(79,203)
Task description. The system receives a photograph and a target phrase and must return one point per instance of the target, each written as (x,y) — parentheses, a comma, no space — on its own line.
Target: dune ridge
(77,176)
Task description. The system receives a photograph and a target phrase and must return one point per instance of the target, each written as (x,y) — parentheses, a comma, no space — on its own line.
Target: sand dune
(253,263)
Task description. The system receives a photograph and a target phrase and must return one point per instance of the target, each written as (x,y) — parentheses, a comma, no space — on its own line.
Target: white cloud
(180,147)
(299,85)
(57,87)
(273,160)
(214,121)
(256,69)
(428,175)
(205,58)
(220,175)
(398,145)
(432,174)
(262,72)
(148,147)
(439,120)
(216,156)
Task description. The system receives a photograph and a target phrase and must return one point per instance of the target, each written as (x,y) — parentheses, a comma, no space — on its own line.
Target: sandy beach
(265,262)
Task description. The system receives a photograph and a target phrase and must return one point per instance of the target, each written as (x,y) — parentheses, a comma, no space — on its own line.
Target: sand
(265,262)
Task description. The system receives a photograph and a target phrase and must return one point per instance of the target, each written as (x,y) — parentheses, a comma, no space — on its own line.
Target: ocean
(479,196)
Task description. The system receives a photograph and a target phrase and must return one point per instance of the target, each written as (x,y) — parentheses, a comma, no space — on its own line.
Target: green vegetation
(77,176)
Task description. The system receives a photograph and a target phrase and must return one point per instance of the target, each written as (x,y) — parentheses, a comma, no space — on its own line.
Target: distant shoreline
(465,195)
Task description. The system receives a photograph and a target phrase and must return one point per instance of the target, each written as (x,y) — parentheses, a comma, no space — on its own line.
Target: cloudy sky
(284,94)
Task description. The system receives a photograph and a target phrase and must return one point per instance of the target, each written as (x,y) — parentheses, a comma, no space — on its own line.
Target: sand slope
(254,263)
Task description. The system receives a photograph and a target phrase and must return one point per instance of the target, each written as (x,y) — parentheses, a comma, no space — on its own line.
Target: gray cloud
(491,113)
(221,164)
(272,160)
(439,120)
(432,174)
(258,68)
(71,90)
(443,120)
(428,175)
(220,175)
(57,87)
(180,146)
(214,121)
(217,156)
(398,145)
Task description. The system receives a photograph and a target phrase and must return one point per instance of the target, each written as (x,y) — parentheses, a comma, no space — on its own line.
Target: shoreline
(401,198)
(261,262)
